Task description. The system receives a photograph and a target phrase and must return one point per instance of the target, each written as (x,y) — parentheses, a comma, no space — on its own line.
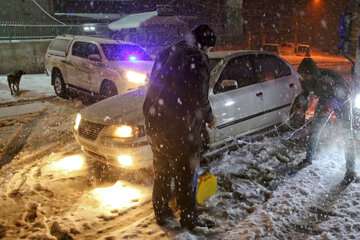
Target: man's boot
(350,176)
(165,217)
(191,221)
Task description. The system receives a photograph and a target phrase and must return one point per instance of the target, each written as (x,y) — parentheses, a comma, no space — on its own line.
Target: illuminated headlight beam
(68,164)
(118,196)
(125,160)
(136,77)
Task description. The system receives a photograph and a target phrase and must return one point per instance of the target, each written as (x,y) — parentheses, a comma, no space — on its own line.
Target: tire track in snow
(18,141)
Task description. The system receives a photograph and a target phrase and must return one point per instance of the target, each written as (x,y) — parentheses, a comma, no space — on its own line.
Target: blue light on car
(132,58)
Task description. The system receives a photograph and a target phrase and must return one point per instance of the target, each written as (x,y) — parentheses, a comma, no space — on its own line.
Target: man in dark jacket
(333,93)
(176,109)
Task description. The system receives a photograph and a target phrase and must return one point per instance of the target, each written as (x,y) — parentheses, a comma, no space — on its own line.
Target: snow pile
(247,178)
(314,204)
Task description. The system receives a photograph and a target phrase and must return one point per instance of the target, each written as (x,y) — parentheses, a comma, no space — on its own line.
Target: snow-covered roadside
(311,205)
(43,199)
(31,86)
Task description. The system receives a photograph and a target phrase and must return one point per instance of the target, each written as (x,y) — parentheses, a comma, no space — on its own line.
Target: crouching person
(176,108)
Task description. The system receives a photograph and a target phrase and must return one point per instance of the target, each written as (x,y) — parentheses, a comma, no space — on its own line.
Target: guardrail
(28,31)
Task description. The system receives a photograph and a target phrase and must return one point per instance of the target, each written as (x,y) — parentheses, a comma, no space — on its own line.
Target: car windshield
(216,66)
(214,62)
(124,52)
(303,49)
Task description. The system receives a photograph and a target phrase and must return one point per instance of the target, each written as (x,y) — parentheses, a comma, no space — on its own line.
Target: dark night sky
(319,22)
(318,19)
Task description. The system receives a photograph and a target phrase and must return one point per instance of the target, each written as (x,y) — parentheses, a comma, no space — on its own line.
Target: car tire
(108,89)
(59,85)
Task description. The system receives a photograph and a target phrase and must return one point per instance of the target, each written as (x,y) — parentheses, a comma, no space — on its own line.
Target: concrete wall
(23,55)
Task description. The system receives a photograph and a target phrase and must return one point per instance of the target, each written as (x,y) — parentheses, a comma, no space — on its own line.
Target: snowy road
(49,190)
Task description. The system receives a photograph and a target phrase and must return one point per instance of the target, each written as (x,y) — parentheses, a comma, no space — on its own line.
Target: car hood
(125,108)
(138,66)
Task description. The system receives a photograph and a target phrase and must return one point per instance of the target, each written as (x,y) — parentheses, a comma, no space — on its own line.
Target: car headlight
(357,101)
(125,160)
(123,131)
(136,77)
(77,121)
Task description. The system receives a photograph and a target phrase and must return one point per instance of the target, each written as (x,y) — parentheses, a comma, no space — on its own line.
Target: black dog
(14,81)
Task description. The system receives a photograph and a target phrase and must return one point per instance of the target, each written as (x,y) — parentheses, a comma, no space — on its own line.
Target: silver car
(249,91)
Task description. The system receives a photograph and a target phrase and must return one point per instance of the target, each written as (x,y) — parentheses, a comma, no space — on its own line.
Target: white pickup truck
(97,66)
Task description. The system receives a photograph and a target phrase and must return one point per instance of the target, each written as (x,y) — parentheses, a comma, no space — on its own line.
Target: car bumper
(130,157)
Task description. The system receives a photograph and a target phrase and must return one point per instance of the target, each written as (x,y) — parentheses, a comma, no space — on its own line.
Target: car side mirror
(94,57)
(227,85)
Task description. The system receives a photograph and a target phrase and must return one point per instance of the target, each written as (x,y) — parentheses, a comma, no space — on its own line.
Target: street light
(317,2)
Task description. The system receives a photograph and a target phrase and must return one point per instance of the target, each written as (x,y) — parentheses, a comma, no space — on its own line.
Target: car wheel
(297,114)
(108,89)
(59,85)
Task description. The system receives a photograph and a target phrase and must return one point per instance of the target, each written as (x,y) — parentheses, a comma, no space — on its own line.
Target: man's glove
(212,123)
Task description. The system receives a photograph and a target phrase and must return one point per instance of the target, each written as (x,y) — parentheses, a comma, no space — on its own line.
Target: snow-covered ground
(31,86)
(313,204)
(50,190)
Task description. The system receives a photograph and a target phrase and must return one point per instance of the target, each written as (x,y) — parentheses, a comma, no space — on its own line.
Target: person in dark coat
(332,91)
(176,109)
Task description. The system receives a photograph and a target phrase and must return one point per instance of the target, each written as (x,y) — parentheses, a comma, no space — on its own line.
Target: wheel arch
(106,80)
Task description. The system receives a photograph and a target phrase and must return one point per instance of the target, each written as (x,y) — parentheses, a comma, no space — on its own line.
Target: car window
(303,49)
(269,67)
(92,49)
(124,52)
(79,49)
(60,45)
(84,49)
(239,69)
(213,62)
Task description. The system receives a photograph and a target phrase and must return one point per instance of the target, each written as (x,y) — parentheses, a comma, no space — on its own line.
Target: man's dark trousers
(178,165)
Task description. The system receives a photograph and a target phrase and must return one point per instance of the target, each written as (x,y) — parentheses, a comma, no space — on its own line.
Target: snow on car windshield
(124,52)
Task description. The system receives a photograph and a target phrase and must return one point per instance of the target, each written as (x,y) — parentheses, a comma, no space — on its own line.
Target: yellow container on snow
(206,188)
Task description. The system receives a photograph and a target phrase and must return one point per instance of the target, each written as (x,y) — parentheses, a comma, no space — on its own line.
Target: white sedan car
(249,91)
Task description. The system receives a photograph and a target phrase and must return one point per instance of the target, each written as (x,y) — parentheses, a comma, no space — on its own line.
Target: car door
(94,68)
(237,108)
(79,67)
(277,85)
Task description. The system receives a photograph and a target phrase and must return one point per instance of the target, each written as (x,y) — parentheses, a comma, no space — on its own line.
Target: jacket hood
(125,108)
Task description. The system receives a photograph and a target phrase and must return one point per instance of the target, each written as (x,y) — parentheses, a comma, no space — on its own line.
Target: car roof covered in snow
(232,53)
(94,39)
